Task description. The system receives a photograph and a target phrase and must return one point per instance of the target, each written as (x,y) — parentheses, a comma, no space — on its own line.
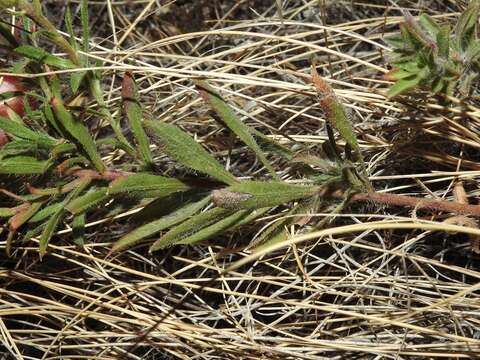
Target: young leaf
(228,223)
(79,132)
(18,147)
(95,88)
(133,110)
(269,145)
(190,227)
(183,149)
(78,227)
(257,194)
(55,219)
(23,132)
(23,165)
(182,213)
(466,26)
(87,201)
(49,229)
(44,57)
(147,185)
(443,42)
(277,232)
(429,24)
(85,25)
(76,79)
(230,119)
(46,212)
(404,85)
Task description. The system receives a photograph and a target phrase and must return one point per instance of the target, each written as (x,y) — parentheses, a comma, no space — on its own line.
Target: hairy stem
(413,202)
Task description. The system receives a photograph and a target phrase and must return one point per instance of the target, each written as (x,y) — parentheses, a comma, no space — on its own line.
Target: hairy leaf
(55,219)
(466,26)
(230,119)
(190,227)
(429,24)
(23,132)
(79,132)
(44,57)
(182,213)
(257,194)
(147,185)
(404,85)
(443,42)
(133,110)
(6,212)
(183,149)
(88,200)
(23,165)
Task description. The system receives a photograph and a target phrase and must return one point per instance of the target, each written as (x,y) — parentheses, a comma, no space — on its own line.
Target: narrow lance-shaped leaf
(429,24)
(88,200)
(18,147)
(46,212)
(230,119)
(229,223)
(133,110)
(20,218)
(277,232)
(269,145)
(443,42)
(23,165)
(404,85)
(78,227)
(147,185)
(97,92)
(55,219)
(7,212)
(257,194)
(216,229)
(466,26)
(79,132)
(23,132)
(85,24)
(147,230)
(417,32)
(44,57)
(190,227)
(183,149)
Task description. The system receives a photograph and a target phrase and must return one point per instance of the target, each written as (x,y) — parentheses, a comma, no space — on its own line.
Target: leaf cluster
(54,140)
(433,57)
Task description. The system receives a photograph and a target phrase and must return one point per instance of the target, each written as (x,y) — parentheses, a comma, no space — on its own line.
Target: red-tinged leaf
(133,110)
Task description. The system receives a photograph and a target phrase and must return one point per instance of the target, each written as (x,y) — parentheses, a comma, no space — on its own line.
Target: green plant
(430,56)
(54,142)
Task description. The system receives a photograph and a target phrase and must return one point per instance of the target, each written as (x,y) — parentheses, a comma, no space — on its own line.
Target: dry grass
(377,283)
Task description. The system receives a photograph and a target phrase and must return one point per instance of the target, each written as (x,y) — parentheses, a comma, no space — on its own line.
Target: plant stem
(34,12)
(413,202)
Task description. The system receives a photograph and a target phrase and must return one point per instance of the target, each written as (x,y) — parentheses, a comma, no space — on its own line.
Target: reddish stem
(413,202)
